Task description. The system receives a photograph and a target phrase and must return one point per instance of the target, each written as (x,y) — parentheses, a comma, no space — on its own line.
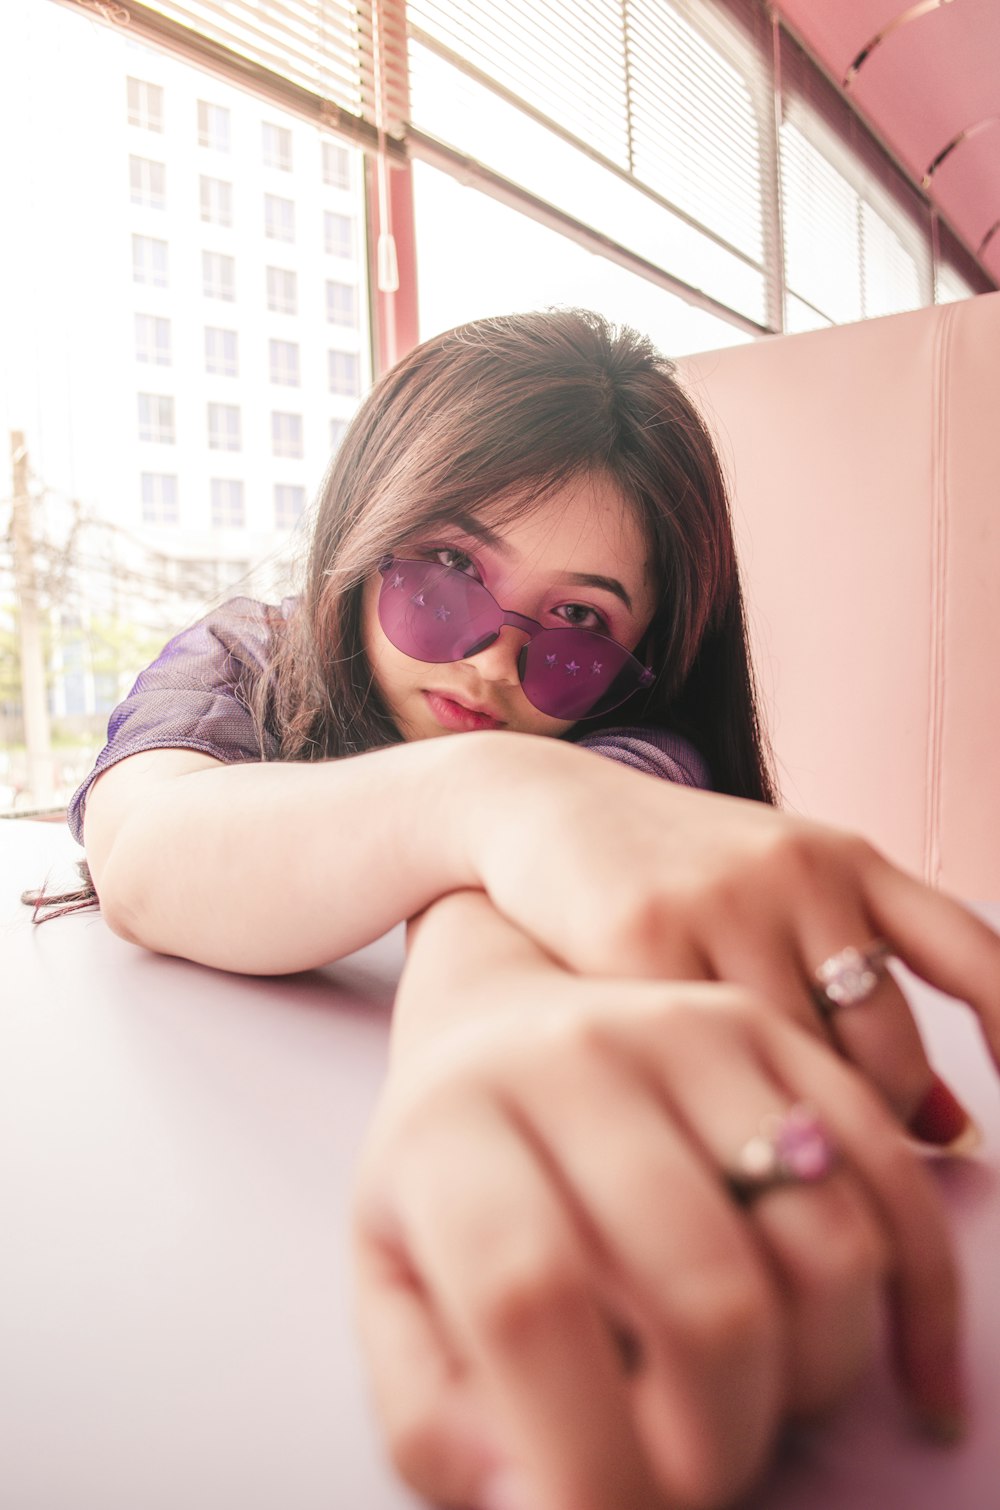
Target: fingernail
(504,1490)
(942,1120)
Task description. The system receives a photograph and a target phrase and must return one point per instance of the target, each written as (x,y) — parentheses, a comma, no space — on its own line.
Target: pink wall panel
(864,463)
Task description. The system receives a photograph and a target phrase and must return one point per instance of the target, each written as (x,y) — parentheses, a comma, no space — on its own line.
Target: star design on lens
(442,613)
(419,600)
(571,668)
(597,668)
(398,580)
(550,661)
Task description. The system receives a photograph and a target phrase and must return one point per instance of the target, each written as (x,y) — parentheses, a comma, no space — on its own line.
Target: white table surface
(176,1148)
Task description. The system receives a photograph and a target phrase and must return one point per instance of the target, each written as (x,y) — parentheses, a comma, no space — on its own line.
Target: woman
(520,507)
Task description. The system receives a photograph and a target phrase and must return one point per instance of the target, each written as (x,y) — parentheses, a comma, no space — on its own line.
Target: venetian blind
(340,63)
(648,120)
(856,235)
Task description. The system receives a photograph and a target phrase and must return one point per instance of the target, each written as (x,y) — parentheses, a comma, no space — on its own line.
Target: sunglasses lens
(575,673)
(435,613)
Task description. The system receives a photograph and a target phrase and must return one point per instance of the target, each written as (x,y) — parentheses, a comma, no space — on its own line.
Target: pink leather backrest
(865,465)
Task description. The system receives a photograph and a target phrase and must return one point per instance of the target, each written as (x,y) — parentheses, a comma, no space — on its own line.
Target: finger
(878,1034)
(824,1242)
(507,1269)
(925,1290)
(437,1432)
(939,939)
(676,1256)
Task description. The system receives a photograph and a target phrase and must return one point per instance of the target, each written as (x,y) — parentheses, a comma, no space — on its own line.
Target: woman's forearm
(278,867)
(467,962)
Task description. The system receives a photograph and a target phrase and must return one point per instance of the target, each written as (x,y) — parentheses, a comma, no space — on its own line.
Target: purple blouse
(195,697)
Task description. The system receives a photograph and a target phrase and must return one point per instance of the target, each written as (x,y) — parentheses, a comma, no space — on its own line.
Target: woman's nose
(498,661)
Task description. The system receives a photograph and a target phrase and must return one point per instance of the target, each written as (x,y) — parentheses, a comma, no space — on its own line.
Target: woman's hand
(556,1285)
(618,874)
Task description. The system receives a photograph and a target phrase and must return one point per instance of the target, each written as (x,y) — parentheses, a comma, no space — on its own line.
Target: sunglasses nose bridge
(520,621)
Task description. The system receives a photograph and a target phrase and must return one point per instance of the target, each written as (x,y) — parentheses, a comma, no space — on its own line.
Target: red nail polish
(941,1119)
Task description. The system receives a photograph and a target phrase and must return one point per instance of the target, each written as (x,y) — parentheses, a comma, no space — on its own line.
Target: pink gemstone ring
(849,978)
(792,1149)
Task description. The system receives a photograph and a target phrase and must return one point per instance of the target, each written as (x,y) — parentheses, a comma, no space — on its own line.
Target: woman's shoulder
(239,631)
(658,752)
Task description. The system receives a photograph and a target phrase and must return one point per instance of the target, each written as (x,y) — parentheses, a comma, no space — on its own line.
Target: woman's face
(545,566)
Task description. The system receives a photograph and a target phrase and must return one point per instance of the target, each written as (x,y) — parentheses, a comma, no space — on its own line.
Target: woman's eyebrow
(610,584)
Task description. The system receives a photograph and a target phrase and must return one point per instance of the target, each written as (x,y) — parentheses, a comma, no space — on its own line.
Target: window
(344,373)
(282,291)
(289,505)
(279,218)
(277,147)
(145,104)
(213,126)
(338,234)
(156,418)
(152,340)
(149,261)
(286,434)
(223,427)
(218,276)
(342,304)
(338,428)
(221,351)
(159,498)
(284,363)
(216,200)
(336,165)
(228,511)
(148,182)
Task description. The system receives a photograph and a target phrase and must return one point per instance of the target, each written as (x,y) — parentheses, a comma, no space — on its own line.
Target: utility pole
(33,695)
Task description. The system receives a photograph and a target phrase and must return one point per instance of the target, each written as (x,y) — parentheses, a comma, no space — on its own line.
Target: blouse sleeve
(655,751)
(194,697)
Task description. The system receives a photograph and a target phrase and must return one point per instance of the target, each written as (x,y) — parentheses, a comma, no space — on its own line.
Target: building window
(279,218)
(218,276)
(152,340)
(148,181)
(338,428)
(277,147)
(213,126)
(284,363)
(338,234)
(344,373)
(149,261)
(286,434)
(342,304)
(223,427)
(282,291)
(336,165)
(159,498)
(145,104)
(216,200)
(156,418)
(221,351)
(289,505)
(228,511)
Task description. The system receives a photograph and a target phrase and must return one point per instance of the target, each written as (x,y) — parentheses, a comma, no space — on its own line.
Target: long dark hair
(486,419)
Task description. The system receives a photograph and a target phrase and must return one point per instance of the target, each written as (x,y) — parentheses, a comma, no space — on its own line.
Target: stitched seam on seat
(939,531)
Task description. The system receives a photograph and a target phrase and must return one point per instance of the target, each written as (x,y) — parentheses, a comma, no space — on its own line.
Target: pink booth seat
(865,462)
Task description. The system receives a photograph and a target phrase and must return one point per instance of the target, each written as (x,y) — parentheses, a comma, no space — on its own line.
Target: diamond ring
(849,978)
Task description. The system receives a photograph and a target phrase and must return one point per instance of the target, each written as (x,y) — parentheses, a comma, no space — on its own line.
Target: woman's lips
(453,715)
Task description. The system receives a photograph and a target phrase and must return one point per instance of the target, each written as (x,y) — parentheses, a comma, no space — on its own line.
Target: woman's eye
(457,560)
(579,616)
